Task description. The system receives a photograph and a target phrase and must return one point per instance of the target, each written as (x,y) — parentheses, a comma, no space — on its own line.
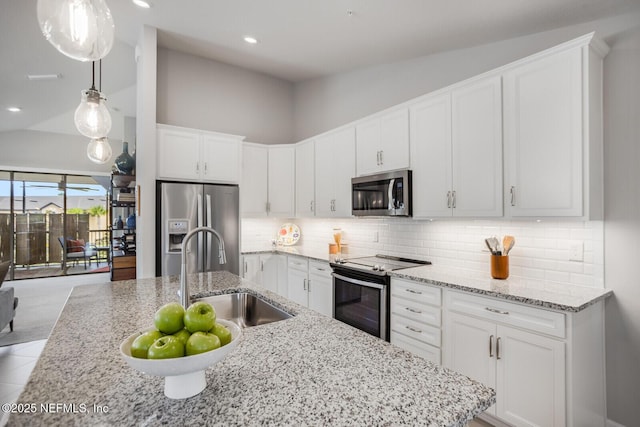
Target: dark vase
(124,163)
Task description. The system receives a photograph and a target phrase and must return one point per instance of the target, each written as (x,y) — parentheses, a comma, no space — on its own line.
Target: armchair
(78,249)
(8,302)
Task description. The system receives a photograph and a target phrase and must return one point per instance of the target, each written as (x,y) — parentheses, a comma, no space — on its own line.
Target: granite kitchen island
(306,370)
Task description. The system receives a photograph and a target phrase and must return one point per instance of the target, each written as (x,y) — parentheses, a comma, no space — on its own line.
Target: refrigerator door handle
(200,235)
(208,238)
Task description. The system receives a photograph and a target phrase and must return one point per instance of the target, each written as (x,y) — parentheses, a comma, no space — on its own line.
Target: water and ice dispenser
(177,229)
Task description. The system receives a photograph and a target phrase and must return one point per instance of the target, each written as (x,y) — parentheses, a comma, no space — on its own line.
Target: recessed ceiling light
(141,3)
(250,40)
(44,76)
(14,109)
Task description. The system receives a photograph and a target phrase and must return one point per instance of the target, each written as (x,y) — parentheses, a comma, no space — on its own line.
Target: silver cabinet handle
(453,199)
(413,310)
(205,168)
(413,292)
(308,285)
(198,167)
(261,265)
(498,348)
(304,284)
(417,331)
(493,310)
(245,267)
(378,158)
(311,206)
(491,346)
(513,195)
(382,157)
(449,199)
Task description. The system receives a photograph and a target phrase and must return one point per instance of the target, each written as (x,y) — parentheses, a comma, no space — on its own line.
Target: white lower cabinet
(416,318)
(268,270)
(525,354)
(310,284)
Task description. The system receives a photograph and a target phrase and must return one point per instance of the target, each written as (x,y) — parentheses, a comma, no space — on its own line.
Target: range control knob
(381,268)
(376,267)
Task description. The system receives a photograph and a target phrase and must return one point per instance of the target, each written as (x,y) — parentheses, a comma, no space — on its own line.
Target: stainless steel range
(361,291)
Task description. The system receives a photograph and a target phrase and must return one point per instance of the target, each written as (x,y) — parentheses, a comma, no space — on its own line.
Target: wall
(541,251)
(205,94)
(46,151)
(326,103)
(622,226)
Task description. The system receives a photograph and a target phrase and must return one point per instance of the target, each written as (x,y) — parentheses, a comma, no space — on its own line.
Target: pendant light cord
(93,75)
(100,81)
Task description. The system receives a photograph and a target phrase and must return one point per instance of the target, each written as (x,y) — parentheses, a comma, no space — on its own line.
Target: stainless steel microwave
(386,194)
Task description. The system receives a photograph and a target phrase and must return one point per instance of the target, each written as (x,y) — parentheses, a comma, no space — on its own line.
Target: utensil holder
(499,266)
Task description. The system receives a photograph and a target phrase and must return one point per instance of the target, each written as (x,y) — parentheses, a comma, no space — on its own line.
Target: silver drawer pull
(417,331)
(493,310)
(413,310)
(413,292)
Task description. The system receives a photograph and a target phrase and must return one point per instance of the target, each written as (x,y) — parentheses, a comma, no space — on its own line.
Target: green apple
(141,344)
(199,317)
(166,347)
(200,342)
(221,332)
(183,335)
(169,318)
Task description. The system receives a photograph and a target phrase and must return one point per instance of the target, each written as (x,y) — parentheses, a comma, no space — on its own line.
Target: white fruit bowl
(184,376)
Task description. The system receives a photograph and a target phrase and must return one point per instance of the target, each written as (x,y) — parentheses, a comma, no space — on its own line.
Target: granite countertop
(306,370)
(541,293)
(304,251)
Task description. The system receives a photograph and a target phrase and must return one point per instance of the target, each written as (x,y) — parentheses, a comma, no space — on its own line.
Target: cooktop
(378,263)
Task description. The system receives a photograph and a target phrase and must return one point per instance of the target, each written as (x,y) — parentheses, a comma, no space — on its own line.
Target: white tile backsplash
(541,250)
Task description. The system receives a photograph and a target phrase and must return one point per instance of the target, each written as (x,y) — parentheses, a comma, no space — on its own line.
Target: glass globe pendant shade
(99,150)
(81,29)
(92,117)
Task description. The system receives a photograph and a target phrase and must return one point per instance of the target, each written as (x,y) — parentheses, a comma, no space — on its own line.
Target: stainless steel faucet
(222,256)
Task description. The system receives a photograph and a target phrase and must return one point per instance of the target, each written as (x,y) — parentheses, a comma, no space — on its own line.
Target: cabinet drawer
(123,274)
(298,263)
(124,262)
(417,330)
(416,311)
(535,319)
(319,268)
(418,348)
(415,291)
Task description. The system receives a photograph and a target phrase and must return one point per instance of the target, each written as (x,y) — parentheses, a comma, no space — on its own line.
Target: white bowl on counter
(184,376)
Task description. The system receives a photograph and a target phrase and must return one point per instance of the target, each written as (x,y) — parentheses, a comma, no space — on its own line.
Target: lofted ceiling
(297,41)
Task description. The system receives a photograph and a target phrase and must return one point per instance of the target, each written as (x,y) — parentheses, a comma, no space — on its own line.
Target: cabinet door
(220,159)
(269,269)
(320,288)
(297,281)
(368,137)
(431,156)
(344,168)
(394,140)
(530,387)
(324,167)
(251,268)
(477,149)
(305,179)
(253,189)
(468,349)
(281,181)
(178,154)
(544,137)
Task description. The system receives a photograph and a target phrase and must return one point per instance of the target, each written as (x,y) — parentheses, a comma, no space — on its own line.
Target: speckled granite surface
(307,370)
(552,295)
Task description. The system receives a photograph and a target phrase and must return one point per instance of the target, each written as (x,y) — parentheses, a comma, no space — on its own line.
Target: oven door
(361,304)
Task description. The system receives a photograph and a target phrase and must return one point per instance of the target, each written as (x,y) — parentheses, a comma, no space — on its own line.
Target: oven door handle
(358,282)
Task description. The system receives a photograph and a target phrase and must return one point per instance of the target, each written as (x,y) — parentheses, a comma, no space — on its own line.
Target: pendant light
(81,29)
(92,117)
(99,150)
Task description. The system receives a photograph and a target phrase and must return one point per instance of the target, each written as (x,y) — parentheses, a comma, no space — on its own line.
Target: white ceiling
(298,40)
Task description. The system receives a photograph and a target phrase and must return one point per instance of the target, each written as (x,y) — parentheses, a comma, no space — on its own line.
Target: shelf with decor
(122,218)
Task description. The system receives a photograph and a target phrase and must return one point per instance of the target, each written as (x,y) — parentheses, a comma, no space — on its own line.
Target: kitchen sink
(245,309)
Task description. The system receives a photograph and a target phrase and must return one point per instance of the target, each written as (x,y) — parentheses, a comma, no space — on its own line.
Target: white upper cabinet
(267,187)
(382,143)
(456,150)
(281,181)
(335,166)
(254,186)
(198,155)
(553,134)
(305,179)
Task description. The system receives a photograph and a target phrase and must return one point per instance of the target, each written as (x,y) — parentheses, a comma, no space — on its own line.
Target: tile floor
(16,363)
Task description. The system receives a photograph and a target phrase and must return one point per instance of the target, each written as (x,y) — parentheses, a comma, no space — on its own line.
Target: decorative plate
(289,234)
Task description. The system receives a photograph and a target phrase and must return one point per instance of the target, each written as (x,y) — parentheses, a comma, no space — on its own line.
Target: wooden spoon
(507,244)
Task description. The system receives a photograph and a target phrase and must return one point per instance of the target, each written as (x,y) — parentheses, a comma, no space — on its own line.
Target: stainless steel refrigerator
(181,207)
